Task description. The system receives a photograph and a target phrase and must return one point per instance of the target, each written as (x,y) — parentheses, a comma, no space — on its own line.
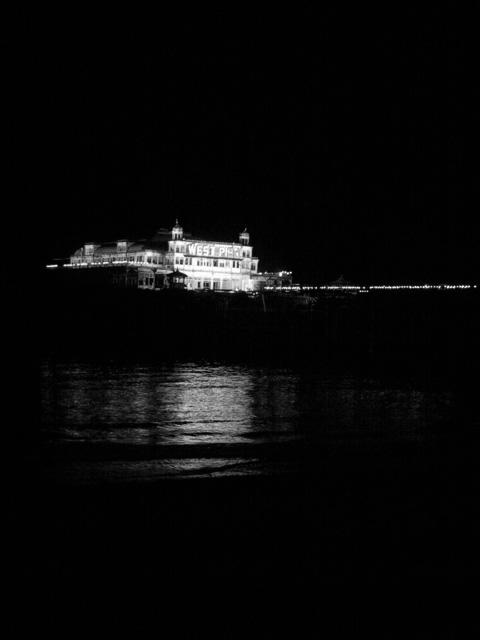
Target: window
(215,264)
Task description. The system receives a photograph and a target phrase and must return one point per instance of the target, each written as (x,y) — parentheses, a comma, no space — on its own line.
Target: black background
(343,141)
(340,139)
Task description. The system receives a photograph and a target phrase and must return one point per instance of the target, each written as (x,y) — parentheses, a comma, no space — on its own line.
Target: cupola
(244,237)
(177,231)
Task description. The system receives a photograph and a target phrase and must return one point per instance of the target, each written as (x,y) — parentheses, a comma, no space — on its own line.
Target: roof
(158,242)
(212,241)
(136,246)
(107,248)
(155,245)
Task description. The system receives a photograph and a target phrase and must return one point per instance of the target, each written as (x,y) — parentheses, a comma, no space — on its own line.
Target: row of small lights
(424,286)
(371,287)
(88,264)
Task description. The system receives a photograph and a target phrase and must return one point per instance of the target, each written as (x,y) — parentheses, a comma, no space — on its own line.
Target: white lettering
(213,250)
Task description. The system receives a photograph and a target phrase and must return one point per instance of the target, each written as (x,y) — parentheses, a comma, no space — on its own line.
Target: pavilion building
(201,264)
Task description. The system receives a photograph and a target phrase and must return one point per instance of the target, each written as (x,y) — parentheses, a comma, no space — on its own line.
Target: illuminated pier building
(172,258)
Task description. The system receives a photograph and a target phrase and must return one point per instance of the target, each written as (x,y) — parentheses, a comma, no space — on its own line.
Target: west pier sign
(213,250)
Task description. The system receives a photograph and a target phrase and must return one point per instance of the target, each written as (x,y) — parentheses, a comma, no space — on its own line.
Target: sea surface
(111,421)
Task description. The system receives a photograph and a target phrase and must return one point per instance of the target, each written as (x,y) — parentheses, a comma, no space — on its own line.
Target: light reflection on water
(182,404)
(189,405)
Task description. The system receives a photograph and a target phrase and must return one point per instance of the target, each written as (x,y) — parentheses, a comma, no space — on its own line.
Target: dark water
(151,468)
(116,421)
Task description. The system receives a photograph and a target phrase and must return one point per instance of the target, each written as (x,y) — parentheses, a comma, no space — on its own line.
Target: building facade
(203,264)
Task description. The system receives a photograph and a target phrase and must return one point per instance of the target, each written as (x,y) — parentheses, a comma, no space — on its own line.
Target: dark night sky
(339,141)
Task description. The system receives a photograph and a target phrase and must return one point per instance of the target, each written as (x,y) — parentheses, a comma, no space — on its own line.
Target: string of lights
(373,287)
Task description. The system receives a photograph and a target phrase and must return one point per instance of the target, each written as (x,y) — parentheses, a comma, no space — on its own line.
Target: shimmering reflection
(173,415)
(205,404)
(181,404)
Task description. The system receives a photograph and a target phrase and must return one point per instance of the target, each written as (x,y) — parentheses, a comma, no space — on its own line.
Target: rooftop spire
(245,237)
(177,231)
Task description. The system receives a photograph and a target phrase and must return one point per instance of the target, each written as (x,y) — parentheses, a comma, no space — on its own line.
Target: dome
(177,231)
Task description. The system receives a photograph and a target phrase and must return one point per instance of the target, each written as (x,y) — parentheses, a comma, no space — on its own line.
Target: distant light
(374,287)
(52,266)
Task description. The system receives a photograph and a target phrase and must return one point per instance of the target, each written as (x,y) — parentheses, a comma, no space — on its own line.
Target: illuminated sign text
(213,250)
